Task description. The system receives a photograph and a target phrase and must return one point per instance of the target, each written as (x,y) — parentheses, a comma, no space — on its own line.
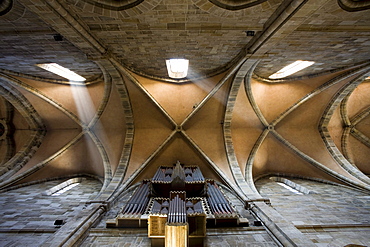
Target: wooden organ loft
(177,205)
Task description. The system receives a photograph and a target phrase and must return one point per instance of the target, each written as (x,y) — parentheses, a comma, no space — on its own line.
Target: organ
(177,205)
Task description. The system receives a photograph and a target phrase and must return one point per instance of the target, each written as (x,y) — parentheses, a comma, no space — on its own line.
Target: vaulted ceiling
(226,116)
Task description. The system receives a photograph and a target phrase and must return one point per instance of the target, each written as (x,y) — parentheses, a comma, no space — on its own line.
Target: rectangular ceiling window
(290,188)
(177,68)
(68,187)
(61,71)
(291,69)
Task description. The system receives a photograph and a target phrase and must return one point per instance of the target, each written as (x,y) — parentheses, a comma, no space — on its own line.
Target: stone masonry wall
(27,217)
(330,215)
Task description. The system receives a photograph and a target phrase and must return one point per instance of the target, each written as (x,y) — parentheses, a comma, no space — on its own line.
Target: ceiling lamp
(177,68)
(291,69)
(61,71)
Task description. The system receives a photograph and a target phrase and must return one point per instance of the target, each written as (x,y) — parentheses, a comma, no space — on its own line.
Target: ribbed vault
(226,117)
(128,118)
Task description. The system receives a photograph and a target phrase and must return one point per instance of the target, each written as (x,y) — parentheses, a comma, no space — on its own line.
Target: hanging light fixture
(177,67)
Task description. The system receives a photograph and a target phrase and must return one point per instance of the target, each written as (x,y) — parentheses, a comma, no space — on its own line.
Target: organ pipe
(217,201)
(138,201)
(177,210)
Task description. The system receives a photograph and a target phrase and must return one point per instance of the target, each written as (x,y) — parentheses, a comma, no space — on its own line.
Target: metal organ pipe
(217,200)
(198,207)
(156,207)
(138,201)
(177,211)
(159,175)
(182,212)
(170,212)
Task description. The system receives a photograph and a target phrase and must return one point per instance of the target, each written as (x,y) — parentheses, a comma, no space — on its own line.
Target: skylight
(290,188)
(291,69)
(68,187)
(61,71)
(177,68)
